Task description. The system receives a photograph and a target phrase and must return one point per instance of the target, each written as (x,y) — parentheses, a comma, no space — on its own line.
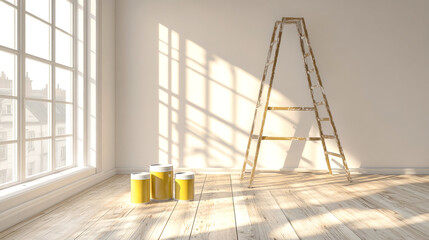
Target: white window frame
(21,55)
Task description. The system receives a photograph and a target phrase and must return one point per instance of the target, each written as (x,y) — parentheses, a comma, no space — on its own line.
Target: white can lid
(185,175)
(161,167)
(140,176)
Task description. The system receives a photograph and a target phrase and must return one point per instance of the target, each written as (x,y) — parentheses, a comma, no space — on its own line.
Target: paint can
(140,187)
(161,182)
(184,186)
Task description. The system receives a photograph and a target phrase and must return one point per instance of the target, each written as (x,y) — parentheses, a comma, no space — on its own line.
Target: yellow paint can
(140,187)
(184,186)
(161,182)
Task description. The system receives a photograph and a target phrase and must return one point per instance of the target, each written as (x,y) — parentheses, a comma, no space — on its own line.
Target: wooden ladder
(314,84)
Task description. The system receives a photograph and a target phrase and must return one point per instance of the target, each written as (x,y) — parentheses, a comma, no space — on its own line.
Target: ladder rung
(292,108)
(324,119)
(274,42)
(249,162)
(328,136)
(315,86)
(335,154)
(306,55)
(269,63)
(288,138)
(320,103)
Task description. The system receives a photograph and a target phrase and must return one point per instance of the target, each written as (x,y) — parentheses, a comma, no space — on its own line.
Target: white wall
(108,85)
(187,81)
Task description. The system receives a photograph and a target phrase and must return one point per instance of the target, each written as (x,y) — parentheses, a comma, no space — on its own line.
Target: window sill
(16,195)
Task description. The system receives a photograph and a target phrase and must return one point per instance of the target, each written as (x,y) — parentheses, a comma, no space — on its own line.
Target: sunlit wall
(187,79)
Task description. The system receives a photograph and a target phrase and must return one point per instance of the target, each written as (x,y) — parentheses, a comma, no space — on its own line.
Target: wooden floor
(280,206)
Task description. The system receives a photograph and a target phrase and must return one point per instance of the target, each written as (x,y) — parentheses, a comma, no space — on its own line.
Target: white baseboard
(32,207)
(217,170)
(130,170)
(394,171)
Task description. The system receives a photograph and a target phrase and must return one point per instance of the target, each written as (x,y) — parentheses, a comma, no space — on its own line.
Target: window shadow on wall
(206,107)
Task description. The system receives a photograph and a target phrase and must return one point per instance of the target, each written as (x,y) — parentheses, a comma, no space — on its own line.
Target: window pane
(8,77)
(37,37)
(8,119)
(37,156)
(37,79)
(64,119)
(39,8)
(63,48)
(8,25)
(64,15)
(64,85)
(63,152)
(8,160)
(37,119)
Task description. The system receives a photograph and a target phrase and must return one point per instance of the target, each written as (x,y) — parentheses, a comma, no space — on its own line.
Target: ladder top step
(284,19)
(287,138)
(292,108)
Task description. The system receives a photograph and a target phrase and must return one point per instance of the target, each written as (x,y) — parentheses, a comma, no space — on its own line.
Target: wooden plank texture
(278,206)
(245,230)
(215,217)
(69,217)
(263,219)
(309,218)
(181,221)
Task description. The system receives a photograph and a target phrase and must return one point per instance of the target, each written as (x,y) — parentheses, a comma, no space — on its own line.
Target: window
(3,175)
(30,146)
(3,153)
(48,65)
(3,149)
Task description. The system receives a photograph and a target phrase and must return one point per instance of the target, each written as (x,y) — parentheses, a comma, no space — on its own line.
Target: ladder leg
(252,175)
(276,32)
(328,163)
(276,54)
(325,149)
(249,142)
(243,169)
(346,167)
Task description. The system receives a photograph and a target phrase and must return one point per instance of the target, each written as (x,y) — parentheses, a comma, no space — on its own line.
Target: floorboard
(215,217)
